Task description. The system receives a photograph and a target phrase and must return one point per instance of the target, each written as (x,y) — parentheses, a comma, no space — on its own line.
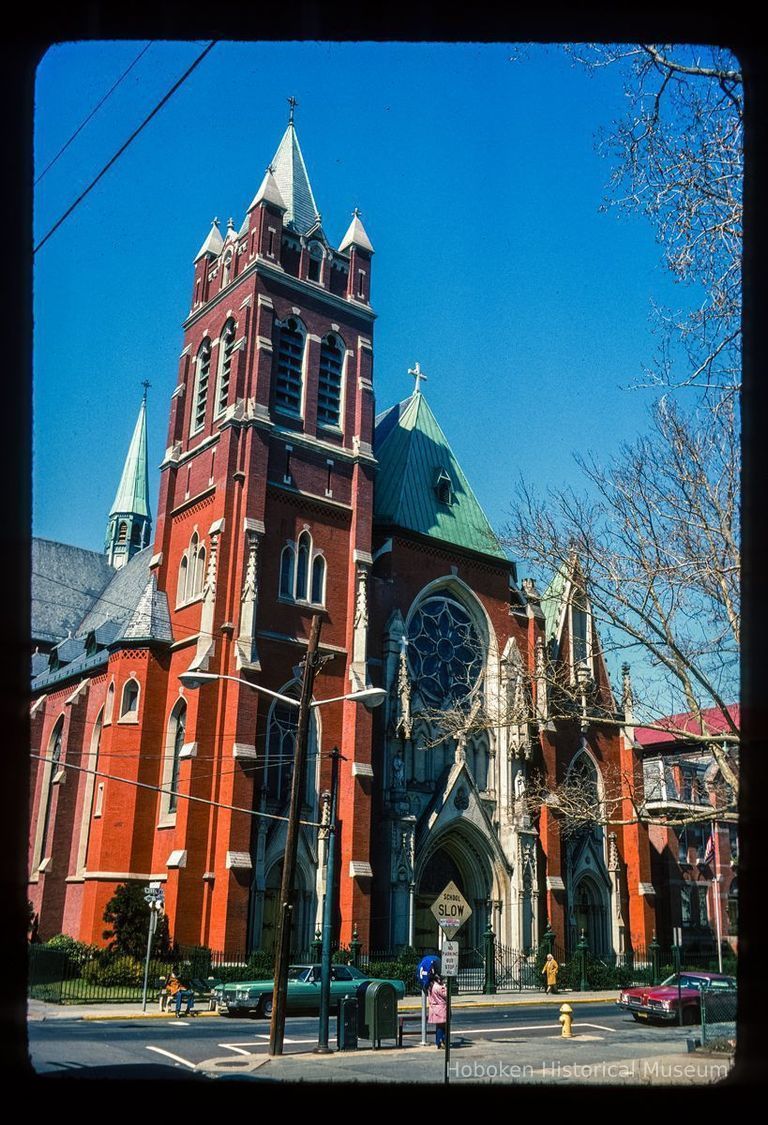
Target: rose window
(445,652)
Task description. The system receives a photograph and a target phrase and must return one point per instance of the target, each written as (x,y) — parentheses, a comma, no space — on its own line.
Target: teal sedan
(254,997)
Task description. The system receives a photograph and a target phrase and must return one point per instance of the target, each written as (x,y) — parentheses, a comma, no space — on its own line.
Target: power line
(175,793)
(93,112)
(124,146)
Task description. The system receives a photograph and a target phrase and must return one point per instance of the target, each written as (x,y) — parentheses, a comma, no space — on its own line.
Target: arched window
(225,347)
(480,756)
(583,779)
(287,560)
(178,726)
(129,705)
(181,589)
(202,377)
(329,382)
(199,571)
(318,580)
(54,757)
(89,801)
(281,749)
(122,532)
(302,566)
(290,359)
(110,704)
(579,626)
(445,652)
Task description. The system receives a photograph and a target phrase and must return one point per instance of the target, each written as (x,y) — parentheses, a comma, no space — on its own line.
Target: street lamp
(369,697)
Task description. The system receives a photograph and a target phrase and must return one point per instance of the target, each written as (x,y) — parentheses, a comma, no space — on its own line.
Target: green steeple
(420,485)
(130,520)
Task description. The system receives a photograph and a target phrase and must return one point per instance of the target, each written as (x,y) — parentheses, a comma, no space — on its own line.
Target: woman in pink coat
(438,1011)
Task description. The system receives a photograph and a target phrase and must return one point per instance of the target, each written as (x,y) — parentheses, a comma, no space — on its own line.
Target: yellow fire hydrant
(566,1019)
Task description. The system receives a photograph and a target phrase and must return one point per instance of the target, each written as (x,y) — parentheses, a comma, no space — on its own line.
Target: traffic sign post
(451,910)
(153,896)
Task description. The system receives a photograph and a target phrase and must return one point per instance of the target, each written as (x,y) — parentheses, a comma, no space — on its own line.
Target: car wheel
(265,1007)
(227,1013)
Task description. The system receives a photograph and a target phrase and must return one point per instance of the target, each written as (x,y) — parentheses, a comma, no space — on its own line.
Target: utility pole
(285,917)
(322,1047)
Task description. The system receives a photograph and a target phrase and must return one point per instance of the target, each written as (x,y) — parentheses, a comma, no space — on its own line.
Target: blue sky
(480,188)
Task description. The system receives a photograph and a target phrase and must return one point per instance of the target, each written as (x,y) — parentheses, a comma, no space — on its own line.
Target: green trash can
(381,1012)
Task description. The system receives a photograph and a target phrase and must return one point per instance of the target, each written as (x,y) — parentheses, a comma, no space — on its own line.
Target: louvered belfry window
(329,386)
(289,363)
(201,395)
(227,344)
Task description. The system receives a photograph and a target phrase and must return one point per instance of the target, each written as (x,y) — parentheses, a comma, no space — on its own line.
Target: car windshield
(298,972)
(686,981)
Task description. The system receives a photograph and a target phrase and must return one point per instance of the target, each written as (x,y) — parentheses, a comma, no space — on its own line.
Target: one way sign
(451,910)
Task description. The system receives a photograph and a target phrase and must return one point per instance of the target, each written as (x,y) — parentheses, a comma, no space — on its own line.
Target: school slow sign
(451,910)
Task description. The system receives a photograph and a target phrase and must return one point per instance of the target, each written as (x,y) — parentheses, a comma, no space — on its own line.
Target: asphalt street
(505,1044)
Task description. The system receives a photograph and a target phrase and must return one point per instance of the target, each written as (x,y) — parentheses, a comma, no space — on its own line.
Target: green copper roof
(413,453)
(551,602)
(133,490)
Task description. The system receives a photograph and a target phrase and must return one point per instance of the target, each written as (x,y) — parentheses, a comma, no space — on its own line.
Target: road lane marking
(232,1047)
(176,1058)
(512,1027)
(286,1039)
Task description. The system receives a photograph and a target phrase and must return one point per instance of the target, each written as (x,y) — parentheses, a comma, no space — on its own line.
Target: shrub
(260,966)
(112,971)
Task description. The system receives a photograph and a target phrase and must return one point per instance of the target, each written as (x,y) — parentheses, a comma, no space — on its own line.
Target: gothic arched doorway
(590,912)
(303,917)
(454,861)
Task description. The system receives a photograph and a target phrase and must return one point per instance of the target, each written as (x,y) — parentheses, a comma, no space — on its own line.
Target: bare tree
(677,158)
(657,541)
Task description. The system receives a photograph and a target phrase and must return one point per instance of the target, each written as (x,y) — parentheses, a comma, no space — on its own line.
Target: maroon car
(658,1003)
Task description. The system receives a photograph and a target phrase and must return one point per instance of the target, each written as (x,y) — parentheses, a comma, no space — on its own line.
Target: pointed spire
(213,243)
(130,521)
(132,496)
(290,173)
(356,235)
(269,191)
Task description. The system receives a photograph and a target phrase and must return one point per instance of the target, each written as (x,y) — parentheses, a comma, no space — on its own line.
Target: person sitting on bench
(178,992)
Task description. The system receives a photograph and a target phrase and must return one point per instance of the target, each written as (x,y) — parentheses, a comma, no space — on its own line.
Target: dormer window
(90,645)
(443,487)
(315,267)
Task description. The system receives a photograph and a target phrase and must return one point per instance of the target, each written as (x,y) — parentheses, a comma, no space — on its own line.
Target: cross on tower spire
(146,385)
(416,373)
(292,103)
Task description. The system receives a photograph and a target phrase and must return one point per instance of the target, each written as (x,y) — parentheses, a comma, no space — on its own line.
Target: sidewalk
(40,1010)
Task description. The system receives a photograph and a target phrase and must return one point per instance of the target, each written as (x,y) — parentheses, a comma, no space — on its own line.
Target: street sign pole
(154,899)
(451,911)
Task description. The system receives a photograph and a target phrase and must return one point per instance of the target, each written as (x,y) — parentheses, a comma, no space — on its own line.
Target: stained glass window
(281,748)
(445,652)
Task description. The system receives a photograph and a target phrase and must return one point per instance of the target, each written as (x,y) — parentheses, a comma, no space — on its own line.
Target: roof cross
(292,103)
(416,373)
(146,385)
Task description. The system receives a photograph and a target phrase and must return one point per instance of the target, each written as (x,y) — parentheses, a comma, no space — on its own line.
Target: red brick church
(283,494)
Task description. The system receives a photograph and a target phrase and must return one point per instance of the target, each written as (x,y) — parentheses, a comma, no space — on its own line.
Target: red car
(658,1003)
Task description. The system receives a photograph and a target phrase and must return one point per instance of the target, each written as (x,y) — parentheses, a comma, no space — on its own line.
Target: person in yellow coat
(550,972)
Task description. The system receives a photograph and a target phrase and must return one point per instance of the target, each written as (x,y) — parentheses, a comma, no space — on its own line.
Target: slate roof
(290,175)
(66,580)
(412,451)
(128,607)
(213,243)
